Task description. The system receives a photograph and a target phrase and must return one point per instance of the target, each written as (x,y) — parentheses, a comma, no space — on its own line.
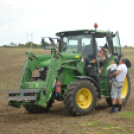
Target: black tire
(37,109)
(125,99)
(70,97)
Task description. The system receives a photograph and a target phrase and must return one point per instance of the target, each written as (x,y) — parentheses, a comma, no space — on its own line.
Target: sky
(20,18)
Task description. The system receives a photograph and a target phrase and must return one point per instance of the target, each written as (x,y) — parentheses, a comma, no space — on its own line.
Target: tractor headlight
(41,68)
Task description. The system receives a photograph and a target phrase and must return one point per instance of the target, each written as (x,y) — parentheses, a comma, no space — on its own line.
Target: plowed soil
(57,120)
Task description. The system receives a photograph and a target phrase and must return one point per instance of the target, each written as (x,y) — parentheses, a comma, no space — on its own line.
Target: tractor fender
(92,80)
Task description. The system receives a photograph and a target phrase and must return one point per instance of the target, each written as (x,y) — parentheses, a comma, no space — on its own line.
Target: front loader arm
(31,63)
(55,65)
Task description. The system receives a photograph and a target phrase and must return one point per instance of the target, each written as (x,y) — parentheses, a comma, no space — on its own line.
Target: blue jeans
(112,78)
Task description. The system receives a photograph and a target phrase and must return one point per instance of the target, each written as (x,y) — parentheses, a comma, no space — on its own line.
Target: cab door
(116,45)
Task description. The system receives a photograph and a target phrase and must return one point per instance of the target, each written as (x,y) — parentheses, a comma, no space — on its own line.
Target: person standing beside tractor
(120,74)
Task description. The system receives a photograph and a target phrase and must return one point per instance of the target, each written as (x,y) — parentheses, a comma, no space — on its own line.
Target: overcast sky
(46,17)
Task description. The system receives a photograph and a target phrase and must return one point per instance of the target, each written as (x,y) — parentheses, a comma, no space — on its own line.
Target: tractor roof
(84,31)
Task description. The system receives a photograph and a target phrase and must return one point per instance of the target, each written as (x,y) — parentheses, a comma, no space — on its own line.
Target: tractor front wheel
(80,97)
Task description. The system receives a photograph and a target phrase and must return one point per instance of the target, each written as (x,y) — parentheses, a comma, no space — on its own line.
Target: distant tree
(13,44)
(41,46)
(35,45)
(125,46)
(28,44)
(47,44)
(21,45)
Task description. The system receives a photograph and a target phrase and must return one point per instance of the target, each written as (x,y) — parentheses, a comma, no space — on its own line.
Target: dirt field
(57,120)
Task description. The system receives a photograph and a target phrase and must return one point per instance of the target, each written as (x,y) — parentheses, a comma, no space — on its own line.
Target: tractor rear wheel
(37,109)
(80,97)
(125,92)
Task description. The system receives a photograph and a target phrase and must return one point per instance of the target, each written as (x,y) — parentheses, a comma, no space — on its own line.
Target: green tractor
(75,67)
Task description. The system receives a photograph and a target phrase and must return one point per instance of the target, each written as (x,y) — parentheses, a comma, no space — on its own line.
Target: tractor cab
(86,43)
(78,42)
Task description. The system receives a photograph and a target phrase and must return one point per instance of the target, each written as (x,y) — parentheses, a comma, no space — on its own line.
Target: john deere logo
(36,84)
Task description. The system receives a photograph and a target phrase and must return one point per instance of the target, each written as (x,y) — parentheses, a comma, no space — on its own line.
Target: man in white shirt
(120,74)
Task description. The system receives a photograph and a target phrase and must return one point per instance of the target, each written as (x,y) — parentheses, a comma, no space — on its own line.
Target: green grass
(98,124)
(128,114)
(95,124)
(132,67)
(100,127)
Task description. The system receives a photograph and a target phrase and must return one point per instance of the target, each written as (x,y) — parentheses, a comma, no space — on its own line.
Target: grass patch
(131,67)
(128,115)
(95,124)
(110,125)
(101,127)
(98,124)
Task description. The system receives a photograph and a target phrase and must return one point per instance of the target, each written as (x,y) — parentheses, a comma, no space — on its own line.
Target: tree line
(28,44)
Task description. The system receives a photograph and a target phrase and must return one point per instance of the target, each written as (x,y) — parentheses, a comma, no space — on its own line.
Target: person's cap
(123,59)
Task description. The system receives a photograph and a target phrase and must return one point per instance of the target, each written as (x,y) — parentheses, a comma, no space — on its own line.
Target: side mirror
(43,41)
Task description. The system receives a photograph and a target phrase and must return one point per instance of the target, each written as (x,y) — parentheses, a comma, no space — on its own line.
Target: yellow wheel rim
(124,89)
(84,98)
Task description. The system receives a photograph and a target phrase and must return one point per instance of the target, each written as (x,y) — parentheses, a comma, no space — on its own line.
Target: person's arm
(118,70)
(101,52)
(103,48)
(102,55)
(115,73)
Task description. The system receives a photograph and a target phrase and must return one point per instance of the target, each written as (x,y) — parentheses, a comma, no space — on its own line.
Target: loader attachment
(17,97)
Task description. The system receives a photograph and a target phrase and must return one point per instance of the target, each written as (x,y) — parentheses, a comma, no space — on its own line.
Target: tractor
(74,66)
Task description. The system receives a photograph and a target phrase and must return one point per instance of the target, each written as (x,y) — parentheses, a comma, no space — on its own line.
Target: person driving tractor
(99,57)
(105,49)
